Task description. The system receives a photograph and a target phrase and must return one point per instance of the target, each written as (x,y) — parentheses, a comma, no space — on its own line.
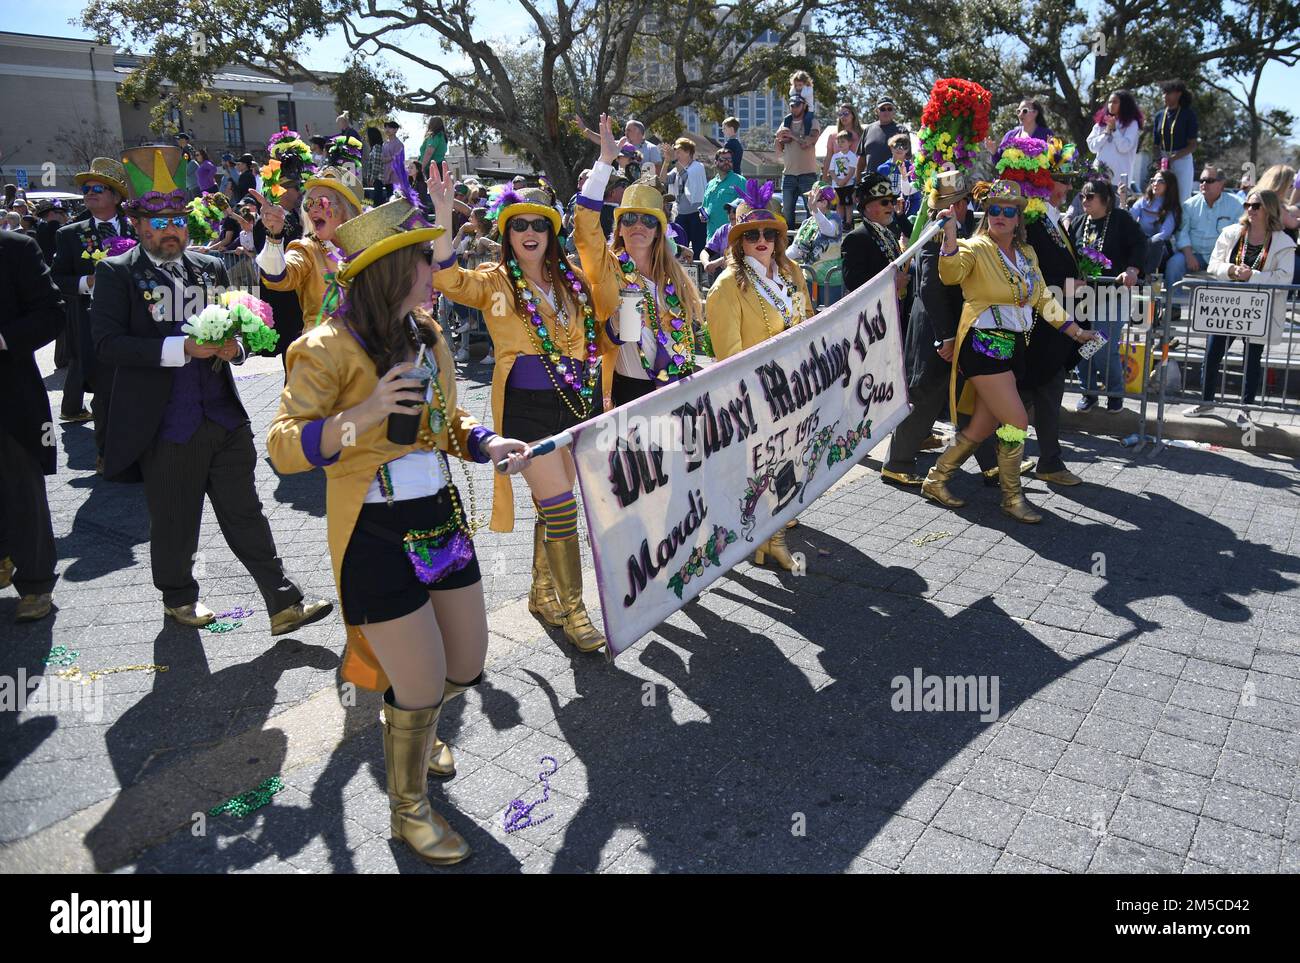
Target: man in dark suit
(31,314)
(104,187)
(1050,353)
(869,247)
(50,215)
(931,334)
(177,419)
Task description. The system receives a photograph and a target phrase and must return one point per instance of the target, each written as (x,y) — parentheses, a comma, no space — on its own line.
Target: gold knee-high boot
(1014,502)
(566,568)
(542,600)
(775,546)
(935,486)
(408,738)
(441,762)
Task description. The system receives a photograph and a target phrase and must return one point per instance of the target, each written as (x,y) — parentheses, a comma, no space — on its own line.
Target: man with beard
(75,247)
(177,421)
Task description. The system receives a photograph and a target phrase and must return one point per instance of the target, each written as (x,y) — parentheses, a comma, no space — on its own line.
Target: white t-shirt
(416,474)
(843,165)
(1013,317)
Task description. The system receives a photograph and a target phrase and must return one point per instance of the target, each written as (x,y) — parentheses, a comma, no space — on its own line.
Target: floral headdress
(205,216)
(290,162)
(1027,161)
(955,121)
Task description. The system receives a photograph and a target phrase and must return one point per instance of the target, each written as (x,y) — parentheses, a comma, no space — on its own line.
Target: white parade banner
(685,482)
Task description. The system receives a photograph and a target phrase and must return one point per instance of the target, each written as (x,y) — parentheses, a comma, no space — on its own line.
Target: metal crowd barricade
(1182,372)
(1107,305)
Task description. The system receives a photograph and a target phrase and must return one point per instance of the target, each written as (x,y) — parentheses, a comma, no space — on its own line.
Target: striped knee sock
(560,516)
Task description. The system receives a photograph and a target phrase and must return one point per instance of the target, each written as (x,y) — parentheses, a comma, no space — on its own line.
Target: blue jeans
(1105,369)
(794,186)
(1176,268)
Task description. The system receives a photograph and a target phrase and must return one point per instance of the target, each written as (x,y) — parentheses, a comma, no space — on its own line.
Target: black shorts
(845,195)
(971,363)
(379,583)
(533,415)
(630,389)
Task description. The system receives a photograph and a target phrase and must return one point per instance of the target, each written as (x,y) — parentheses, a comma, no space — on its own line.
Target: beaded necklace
(585,389)
(787,314)
(437,422)
(1260,257)
(680,345)
(1088,236)
(885,240)
(1166,135)
(1014,278)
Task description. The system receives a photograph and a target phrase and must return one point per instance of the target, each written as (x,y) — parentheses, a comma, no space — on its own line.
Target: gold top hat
(949,188)
(108,171)
(341,180)
(381,230)
(1005,192)
(642,198)
(531,200)
(758,208)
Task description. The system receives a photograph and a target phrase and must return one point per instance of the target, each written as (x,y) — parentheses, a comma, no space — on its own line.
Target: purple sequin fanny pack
(435,553)
(993,343)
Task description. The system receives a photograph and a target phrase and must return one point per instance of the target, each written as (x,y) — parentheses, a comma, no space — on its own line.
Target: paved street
(1144,642)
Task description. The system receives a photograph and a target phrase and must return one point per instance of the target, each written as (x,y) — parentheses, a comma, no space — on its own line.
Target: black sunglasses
(632,218)
(1209,180)
(539,224)
(1252,205)
(767,233)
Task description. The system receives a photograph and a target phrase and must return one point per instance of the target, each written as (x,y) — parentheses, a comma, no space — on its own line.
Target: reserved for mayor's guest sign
(1235,310)
(685,482)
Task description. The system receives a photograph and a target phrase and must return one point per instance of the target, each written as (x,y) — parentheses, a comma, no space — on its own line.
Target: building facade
(61,100)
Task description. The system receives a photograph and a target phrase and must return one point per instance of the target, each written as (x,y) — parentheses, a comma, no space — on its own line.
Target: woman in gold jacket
(640,266)
(759,294)
(309,265)
(400,542)
(1003,286)
(540,313)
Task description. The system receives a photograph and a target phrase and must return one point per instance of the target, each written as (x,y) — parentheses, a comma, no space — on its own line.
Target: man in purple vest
(176,421)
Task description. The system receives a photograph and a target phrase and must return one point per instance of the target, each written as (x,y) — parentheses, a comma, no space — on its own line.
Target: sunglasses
(1025,110)
(161,223)
(631,219)
(994,210)
(885,110)
(1209,180)
(519,225)
(427,254)
(1253,206)
(767,234)
(322,202)
(92,189)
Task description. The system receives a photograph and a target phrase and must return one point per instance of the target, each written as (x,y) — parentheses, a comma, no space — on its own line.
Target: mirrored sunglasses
(632,218)
(995,210)
(161,223)
(92,189)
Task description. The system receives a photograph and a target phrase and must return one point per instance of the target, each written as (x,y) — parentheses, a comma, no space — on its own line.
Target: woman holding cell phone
(1002,286)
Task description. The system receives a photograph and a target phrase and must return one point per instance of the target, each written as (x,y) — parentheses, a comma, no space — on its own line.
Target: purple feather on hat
(756,195)
(402,180)
(504,199)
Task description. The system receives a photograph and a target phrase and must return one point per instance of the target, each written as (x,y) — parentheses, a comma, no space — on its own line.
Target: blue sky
(508,21)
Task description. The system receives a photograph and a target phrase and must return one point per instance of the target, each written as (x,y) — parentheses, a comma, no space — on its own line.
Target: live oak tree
(1067,56)
(581,57)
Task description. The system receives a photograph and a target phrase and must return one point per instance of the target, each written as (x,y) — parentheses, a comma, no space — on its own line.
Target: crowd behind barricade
(373,274)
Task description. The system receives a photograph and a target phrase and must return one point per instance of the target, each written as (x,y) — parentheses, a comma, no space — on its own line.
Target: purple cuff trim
(1068,322)
(273,277)
(311,444)
(609,331)
(477,443)
(590,204)
(943,253)
(443,265)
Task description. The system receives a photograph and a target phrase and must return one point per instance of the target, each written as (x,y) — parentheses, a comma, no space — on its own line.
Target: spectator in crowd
(719,193)
(1032,123)
(227,176)
(1175,130)
(842,165)
(652,158)
(433,151)
(190,165)
(375,165)
(318,146)
(206,174)
(1255,250)
(51,216)
(731,131)
(691,183)
(1114,138)
(1116,235)
(392,150)
(613,197)
(1281,180)
(629,163)
(715,252)
(901,174)
(31,314)
(227,237)
(11,192)
(344,120)
(415,174)
(873,148)
(801,87)
(1205,215)
(13,221)
(245,180)
(474,247)
(817,242)
(1160,214)
(846,123)
(796,145)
